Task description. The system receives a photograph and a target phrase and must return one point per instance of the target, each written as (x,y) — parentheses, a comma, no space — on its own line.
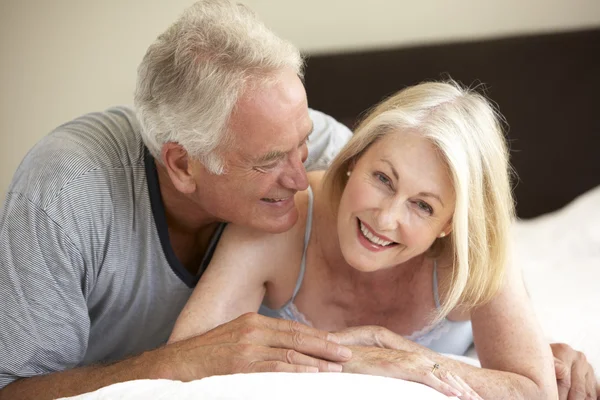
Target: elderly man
(111,219)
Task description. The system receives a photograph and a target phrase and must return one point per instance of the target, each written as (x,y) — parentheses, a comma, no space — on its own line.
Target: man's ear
(179,167)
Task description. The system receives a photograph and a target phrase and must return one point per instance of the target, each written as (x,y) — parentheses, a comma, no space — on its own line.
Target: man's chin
(279,224)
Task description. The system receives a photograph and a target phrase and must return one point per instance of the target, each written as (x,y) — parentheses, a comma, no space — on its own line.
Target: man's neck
(190,227)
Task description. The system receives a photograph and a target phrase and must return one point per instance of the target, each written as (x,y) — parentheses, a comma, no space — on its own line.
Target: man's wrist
(160,363)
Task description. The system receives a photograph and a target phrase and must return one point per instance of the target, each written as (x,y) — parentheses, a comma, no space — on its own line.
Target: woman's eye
(383,179)
(425,207)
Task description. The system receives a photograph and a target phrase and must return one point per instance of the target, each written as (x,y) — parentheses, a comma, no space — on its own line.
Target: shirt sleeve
(326,140)
(44,322)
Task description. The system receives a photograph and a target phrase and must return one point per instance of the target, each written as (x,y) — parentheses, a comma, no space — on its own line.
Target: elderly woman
(409,231)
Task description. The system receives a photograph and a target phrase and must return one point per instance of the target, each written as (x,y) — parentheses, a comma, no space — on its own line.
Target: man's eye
(272,164)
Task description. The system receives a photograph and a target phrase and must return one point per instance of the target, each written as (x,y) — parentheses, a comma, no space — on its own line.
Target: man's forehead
(279,145)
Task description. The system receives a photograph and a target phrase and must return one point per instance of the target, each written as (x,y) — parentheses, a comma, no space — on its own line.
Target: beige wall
(62,58)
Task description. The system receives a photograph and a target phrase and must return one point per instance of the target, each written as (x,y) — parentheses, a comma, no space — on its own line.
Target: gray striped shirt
(87,273)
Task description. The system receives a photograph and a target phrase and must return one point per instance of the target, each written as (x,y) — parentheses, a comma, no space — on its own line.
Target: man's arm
(250,343)
(575,376)
(45,324)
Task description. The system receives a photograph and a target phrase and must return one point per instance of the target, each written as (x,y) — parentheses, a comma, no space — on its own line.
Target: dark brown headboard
(547,87)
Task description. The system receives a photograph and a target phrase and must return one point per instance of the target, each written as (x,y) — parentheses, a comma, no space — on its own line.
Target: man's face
(264,166)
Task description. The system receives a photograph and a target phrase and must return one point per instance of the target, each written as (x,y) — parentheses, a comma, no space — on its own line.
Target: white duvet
(269,386)
(560,257)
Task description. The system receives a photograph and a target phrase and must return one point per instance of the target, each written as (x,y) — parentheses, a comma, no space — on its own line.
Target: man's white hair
(194,73)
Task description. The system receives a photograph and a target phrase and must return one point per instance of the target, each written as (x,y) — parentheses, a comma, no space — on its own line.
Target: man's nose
(295,177)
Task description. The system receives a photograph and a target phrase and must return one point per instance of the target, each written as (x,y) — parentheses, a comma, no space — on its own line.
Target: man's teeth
(372,238)
(273,200)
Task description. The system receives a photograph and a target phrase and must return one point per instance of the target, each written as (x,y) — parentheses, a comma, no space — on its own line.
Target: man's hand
(254,343)
(408,366)
(250,343)
(574,375)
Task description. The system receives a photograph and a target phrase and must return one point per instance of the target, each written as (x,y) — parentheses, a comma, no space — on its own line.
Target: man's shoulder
(326,140)
(87,149)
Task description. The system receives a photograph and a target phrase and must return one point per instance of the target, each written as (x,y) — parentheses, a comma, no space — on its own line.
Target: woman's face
(399,198)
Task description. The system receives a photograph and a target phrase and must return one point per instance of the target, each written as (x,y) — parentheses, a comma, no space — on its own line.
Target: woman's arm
(234,282)
(509,338)
(516,360)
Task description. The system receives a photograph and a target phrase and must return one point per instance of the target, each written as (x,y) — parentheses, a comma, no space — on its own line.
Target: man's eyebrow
(422,194)
(277,155)
(270,157)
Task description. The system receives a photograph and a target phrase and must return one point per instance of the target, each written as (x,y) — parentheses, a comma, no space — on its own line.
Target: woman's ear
(179,167)
(351,164)
(447,230)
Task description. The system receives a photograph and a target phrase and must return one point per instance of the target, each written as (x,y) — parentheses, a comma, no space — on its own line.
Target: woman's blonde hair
(466,129)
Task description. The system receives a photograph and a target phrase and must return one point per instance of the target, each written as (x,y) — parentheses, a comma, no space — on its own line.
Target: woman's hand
(409,366)
(375,336)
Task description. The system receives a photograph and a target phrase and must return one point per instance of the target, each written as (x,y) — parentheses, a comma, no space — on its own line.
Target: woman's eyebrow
(423,194)
(391,166)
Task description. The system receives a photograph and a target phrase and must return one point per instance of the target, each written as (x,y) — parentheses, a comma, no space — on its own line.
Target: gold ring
(435,366)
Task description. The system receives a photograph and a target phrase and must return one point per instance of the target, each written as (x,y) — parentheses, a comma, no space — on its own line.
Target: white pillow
(269,386)
(560,257)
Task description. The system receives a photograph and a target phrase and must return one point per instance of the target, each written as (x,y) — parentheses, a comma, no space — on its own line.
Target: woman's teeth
(372,238)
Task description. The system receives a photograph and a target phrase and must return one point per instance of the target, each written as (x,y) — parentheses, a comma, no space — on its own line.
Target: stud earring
(442,234)
(348,173)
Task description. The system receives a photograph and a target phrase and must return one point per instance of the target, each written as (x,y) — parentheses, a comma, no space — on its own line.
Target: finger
(431,380)
(354,337)
(284,325)
(295,358)
(280,366)
(309,345)
(466,388)
(563,388)
(563,378)
(590,384)
(455,389)
(578,384)
(560,369)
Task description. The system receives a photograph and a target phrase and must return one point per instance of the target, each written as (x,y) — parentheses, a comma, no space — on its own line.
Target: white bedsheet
(269,386)
(560,257)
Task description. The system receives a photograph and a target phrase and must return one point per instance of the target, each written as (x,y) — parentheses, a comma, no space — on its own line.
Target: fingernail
(345,352)
(456,393)
(333,338)
(334,367)
(312,369)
